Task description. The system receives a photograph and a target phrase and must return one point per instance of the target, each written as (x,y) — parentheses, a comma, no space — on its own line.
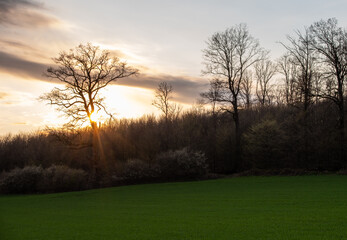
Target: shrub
(264,145)
(32,179)
(24,180)
(62,179)
(342,171)
(182,164)
(135,170)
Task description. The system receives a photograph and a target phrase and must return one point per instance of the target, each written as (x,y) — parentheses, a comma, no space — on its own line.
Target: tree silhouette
(162,101)
(264,71)
(84,71)
(330,41)
(227,57)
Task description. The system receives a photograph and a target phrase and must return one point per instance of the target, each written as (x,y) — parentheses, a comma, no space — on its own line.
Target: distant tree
(227,57)
(213,94)
(84,71)
(264,71)
(288,68)
(246,89)
(304,58)
(278,94)
(162,101)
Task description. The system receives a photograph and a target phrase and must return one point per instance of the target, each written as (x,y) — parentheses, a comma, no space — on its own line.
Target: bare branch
(84,70)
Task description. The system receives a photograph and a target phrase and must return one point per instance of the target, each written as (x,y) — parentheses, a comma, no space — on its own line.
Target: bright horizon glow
(120,101)
(124,102)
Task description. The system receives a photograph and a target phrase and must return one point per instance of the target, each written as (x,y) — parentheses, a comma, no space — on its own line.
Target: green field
(305,207)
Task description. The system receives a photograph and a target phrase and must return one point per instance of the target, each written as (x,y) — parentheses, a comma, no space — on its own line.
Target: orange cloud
(3,95)
(20,123)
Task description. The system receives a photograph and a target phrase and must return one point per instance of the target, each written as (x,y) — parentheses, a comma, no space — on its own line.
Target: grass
(305,207)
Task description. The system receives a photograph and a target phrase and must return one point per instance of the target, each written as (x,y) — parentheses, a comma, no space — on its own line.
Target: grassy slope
(308,207)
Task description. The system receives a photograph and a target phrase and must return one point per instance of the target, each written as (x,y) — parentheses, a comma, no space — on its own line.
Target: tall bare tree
(264,71)
(84,71)
(330,41)
(304,57)
(227,56)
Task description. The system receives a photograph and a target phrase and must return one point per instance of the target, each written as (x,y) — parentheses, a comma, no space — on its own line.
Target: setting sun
(95,117)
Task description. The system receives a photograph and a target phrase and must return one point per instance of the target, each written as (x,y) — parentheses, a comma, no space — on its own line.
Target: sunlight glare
(127,102)
(94,117)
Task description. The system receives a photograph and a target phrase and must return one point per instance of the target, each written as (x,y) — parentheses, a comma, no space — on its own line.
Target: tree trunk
(98,158)
(342,126)
(306,106)
(237,164)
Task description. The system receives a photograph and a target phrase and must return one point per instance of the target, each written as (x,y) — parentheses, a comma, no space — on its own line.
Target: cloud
(15,98)
(20,123)
(7,5)
(18,66)
(118,53)
(186,89)
(24,50)
(25,13)
(15,44)
(3,95)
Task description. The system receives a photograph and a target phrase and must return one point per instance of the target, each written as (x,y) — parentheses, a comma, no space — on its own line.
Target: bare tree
(84,71)
(264,71)
(287,67)
(213,94)
(246,89)
(227,56)
(162,101)
(330,41)
(303,56)
(279,94)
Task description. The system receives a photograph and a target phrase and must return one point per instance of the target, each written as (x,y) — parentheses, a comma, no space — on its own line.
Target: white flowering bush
(33,179)
(182,164)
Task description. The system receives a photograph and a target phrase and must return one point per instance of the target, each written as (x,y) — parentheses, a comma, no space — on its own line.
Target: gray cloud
(186,89)
(17,66)
(15,44)
(24,13)
(7,5)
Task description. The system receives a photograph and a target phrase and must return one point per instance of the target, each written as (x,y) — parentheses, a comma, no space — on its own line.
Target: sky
(163,39)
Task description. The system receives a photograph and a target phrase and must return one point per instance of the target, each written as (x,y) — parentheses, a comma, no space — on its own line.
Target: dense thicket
(272,137)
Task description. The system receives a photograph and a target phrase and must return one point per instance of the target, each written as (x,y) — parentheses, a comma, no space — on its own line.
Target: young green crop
(305,207)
